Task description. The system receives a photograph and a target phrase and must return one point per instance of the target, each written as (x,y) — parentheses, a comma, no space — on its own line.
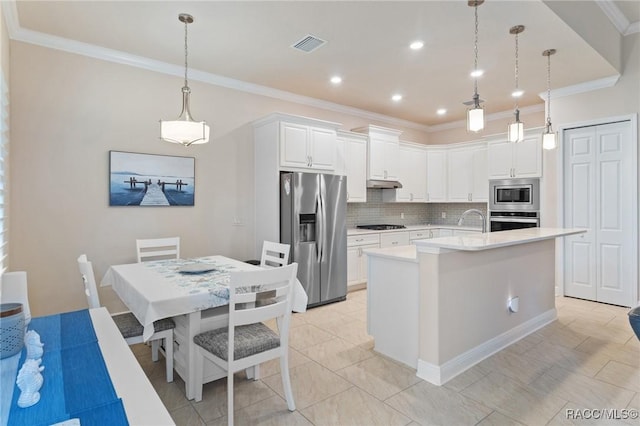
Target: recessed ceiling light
(416,45)
(396,98)
(477,73)
(441,111)
(517,93)
(336,79)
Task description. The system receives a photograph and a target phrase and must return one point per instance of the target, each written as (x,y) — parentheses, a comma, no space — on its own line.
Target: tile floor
(588,359)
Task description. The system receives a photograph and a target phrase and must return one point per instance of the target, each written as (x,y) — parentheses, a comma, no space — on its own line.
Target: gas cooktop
(381,227)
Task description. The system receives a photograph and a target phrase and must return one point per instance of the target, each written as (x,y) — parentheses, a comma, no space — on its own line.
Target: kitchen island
(444,304)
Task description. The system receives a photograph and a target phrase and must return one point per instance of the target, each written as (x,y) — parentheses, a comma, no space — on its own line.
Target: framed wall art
(137,179)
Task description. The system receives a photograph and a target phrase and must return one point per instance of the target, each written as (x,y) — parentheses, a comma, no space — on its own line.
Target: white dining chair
(158,248)
(247,342)
(14,290)
(274,254)
(127,323)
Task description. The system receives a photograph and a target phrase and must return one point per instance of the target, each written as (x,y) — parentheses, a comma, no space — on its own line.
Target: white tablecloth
(156,290)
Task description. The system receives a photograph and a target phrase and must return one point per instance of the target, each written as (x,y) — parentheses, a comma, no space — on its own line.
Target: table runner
(76,379)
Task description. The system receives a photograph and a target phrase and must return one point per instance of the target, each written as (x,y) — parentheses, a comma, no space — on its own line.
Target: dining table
(193,292)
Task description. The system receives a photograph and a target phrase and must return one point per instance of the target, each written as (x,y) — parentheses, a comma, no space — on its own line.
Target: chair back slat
(89,281)
(158,248)
(262,294)
(274,254)
(260,314)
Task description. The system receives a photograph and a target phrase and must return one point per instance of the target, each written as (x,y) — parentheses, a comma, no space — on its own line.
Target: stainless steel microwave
(514,194)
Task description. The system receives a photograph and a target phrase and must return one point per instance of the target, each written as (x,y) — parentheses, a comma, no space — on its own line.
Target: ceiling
(367,45)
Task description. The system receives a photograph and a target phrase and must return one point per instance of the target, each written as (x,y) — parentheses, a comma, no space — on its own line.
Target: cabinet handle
(394,242)
(385,174)
(430,234)
(411,196)
(359,251)
(347,195)
(360,239)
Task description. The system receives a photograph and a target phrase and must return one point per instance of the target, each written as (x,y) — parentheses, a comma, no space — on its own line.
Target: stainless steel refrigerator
(313,211)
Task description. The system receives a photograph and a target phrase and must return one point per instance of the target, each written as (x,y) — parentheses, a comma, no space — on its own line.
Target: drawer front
(393,239)
(361,240)
(420,235)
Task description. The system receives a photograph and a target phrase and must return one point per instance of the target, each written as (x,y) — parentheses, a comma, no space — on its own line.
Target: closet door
(601,195)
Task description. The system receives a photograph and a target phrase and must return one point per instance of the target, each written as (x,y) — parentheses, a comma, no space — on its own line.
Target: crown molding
(576,89)
(617,18)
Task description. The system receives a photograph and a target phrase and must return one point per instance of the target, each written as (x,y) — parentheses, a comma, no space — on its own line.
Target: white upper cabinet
(412,174)
(353,147)
(307,147)
(436,175)
(382,152)
(467,171)
(516,160)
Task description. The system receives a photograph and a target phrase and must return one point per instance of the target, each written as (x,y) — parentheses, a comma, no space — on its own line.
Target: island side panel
(464,302)
(392,308)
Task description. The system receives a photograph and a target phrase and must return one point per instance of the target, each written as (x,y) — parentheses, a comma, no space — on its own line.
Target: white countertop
(358,231)
(491,240)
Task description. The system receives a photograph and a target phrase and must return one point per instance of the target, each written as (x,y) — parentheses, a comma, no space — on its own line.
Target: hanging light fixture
(515,131)
(549,140)
(475,114)
(185,130)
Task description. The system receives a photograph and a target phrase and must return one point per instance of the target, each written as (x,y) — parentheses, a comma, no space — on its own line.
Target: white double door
(600,194)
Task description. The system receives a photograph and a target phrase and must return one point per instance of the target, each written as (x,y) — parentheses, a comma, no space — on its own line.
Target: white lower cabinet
(356,259)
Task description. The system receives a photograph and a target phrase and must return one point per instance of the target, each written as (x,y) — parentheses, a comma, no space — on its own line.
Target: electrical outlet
(401,215)
(444,215)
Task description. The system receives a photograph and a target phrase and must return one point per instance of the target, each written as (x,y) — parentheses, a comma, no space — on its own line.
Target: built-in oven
(514,194)
(514,204)
(508,220)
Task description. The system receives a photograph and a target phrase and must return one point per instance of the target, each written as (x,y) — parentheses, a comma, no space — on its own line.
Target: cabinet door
(460,174)
(412,174)
(293,145)
(436,175)
(353,265)
(480,179)
(391,163)
(527,157)
(356,170)
(322,148)
(500,158)
(377,154)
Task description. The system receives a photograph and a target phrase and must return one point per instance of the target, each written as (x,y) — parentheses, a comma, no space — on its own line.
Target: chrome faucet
(484,220)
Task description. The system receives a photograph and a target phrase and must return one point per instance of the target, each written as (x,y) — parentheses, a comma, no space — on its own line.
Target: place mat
(76,379)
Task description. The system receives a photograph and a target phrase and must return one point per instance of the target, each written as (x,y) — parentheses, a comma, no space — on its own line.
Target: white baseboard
(441,374)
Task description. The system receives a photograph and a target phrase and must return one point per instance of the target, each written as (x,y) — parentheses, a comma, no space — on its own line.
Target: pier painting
(150,180)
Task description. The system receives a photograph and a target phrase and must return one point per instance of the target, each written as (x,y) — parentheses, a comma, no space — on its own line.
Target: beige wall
(6,73)
(68,112)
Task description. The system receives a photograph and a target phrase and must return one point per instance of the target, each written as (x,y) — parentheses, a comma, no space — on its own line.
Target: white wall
(68,111)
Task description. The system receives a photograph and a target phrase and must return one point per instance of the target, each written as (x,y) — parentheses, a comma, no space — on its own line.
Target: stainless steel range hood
(383,184)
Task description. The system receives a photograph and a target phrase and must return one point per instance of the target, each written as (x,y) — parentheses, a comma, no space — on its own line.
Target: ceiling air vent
(308,43)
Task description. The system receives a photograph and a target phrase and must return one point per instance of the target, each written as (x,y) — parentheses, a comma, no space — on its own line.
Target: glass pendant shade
(549,140)
(475,119)
(516,132)
(184,130)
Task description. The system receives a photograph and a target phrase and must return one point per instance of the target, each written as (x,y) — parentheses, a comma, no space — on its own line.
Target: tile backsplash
(375,211)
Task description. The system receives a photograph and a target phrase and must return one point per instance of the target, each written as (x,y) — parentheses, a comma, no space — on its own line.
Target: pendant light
(475,114)
(549,140)
(185,130)
(515,130)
